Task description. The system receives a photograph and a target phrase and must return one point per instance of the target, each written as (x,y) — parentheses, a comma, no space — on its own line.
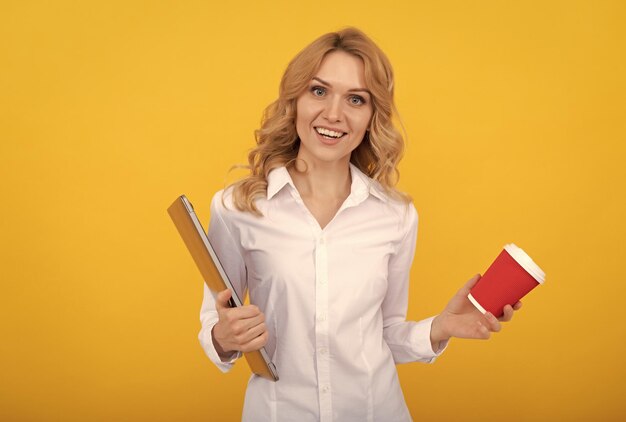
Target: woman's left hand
(461,319)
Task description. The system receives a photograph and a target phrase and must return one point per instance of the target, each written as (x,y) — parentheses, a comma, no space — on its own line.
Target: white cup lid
(526,262)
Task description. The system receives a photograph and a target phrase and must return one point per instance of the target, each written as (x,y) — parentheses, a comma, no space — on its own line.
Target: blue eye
(318,91)
(356,100)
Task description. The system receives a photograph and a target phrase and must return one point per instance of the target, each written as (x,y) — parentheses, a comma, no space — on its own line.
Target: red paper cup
(509,278)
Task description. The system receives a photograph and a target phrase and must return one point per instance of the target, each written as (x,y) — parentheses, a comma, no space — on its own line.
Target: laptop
(195,238)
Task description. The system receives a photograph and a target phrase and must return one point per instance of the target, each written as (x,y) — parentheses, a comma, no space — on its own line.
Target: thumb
(470,283)
(222,298)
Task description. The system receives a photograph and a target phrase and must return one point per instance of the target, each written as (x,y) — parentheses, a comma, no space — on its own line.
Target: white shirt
(334,299)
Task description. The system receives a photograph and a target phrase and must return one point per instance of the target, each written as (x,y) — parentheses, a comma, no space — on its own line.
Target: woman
(324,243)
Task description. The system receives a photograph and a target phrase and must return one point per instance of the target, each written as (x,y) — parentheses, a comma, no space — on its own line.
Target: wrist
(438,333)
(218,346)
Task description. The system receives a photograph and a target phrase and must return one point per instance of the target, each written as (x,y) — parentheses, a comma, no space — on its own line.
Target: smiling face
(334,112)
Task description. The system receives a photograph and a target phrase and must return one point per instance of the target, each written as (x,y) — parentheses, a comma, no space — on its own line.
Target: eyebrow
(350,90)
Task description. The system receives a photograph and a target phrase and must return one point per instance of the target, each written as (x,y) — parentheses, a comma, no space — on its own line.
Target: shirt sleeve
(409,341)
(231,259)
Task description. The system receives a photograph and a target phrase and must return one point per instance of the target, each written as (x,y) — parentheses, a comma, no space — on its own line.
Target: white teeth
(327,132)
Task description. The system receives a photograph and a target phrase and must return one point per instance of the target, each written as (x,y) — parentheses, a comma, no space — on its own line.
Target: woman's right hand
(239,329)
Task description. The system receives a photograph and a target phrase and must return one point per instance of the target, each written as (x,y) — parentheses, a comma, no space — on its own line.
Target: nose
(333,109)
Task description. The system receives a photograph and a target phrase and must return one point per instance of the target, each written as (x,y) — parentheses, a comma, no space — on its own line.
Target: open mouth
(329,134)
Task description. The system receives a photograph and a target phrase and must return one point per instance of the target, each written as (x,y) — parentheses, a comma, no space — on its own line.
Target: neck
(320,180)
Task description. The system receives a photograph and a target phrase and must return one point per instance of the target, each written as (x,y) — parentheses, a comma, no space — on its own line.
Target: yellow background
(515,113)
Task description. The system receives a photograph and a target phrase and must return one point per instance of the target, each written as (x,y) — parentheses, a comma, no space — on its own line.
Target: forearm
(409,341)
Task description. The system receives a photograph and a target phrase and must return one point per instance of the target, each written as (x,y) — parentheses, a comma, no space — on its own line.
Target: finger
(256,343)
(493,323)
(508,314)
(242,326)
(240,319)
(517,306)
(221,300)
(468,286)
(245,312)
(252,333)
(482,331)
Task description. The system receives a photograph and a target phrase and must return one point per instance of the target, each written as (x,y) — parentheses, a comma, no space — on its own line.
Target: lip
(334,129)
(329,141)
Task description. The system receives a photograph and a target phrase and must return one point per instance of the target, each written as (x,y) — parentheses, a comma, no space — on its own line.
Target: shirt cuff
(421,339)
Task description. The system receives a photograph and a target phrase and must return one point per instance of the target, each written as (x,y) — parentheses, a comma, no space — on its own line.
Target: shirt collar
(362,185)
(277,179)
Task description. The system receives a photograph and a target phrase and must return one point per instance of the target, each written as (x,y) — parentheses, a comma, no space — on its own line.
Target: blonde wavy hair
(277,140)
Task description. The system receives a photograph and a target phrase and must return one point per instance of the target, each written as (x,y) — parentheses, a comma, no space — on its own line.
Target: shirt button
(323,351)
(325,388)
(322,240)
(321,317)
